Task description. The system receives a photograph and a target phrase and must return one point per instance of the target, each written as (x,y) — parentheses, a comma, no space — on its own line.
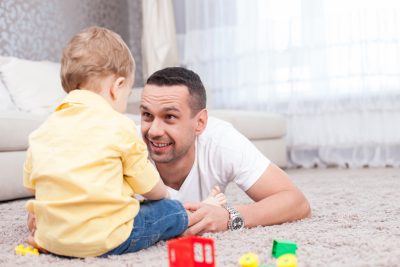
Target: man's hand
(31,222)
(206,218)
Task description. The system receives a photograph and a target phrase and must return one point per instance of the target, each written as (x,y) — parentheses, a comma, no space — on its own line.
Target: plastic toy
(287,260)
(249,260)
(281,247)
(191,251)
(22,250)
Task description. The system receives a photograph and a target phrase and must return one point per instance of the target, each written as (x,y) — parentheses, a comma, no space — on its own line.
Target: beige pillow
(34,86)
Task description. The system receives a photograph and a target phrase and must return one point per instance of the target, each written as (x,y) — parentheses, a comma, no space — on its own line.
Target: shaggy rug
(355,222)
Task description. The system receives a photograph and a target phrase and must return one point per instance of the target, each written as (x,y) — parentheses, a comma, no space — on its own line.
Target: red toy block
(191,251)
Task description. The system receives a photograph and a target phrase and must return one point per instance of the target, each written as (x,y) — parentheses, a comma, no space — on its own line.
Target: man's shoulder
(219,131)
(215,127)
(220,138)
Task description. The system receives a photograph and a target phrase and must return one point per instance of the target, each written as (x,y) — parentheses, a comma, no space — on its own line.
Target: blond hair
(92,54)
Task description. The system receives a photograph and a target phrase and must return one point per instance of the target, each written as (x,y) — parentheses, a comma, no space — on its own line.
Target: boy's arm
(159,191)
(139,172)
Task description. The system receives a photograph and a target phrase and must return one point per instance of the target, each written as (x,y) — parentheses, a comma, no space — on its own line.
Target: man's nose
(156,129)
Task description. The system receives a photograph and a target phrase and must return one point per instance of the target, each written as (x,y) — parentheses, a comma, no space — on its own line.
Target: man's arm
(277,200)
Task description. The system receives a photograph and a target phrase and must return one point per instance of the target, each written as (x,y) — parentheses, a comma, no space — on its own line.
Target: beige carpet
(355,222)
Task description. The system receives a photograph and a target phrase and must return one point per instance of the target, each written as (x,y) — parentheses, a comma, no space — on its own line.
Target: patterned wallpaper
(39,29)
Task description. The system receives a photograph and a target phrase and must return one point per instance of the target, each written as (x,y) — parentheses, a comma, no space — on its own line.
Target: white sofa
(27,97)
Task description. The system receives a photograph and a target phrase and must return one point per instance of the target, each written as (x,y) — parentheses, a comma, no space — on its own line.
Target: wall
(39,29)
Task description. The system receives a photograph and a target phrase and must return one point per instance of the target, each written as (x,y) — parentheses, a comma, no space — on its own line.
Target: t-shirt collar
(86,97)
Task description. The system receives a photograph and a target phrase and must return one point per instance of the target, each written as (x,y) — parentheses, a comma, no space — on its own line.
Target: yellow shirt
(85,162)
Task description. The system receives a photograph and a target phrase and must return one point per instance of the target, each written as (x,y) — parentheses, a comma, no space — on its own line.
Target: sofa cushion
(15,129)
(34,86)
(253,124)
(11,166)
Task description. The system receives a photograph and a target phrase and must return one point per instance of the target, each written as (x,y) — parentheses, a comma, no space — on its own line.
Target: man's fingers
(192,206)
(194,217)
(196,229)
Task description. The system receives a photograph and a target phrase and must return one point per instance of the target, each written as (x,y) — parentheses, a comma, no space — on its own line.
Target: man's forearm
(281,207)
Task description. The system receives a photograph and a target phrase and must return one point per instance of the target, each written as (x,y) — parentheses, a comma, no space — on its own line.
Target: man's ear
(201,120)
(115,86)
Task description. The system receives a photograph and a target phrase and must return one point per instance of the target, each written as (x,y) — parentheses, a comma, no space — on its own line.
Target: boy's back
(79,155)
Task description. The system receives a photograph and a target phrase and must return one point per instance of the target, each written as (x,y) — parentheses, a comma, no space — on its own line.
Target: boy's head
(98,60)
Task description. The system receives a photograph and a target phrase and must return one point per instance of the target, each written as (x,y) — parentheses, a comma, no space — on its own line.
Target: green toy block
(281,247)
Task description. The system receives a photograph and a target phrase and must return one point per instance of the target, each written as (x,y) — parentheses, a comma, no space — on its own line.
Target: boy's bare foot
(216,197)
(31,241)
(31,222)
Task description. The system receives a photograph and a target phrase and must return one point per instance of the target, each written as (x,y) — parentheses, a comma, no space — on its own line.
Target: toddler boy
(86,161)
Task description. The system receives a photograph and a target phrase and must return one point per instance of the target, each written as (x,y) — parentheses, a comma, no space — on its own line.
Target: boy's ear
(115,86)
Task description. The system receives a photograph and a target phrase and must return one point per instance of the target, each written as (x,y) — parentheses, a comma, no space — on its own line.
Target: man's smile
(159,146)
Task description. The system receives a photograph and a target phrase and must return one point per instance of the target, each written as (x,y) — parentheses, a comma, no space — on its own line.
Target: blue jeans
(156,220)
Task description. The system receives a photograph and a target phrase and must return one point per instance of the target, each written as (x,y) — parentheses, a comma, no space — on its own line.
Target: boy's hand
(31,222)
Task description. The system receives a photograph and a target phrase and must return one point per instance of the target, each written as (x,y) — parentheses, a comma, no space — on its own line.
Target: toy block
(249,260)
(191,251)
(281,247)
(22,250)
(287,260)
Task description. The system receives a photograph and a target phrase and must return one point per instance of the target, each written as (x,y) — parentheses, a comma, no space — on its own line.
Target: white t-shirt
(223,155)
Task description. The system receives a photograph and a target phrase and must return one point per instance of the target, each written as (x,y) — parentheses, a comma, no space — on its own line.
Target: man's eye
(146,115)
(170,117)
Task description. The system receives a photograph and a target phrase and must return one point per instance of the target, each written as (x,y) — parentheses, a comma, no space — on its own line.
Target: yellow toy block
(249,260)
(22,250)
(287,260)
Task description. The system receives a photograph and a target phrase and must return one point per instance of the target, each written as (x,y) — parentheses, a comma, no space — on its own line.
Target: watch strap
(233,213)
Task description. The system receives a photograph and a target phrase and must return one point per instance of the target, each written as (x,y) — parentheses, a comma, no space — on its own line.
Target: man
(194,153)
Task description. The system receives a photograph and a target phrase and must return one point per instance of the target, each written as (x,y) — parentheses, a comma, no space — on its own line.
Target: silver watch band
(236,221)
(232,211)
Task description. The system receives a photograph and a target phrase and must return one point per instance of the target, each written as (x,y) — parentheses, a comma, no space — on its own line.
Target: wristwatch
(236,221)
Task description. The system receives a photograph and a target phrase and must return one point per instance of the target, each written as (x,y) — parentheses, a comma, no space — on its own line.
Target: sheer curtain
(332,67)
(159,49)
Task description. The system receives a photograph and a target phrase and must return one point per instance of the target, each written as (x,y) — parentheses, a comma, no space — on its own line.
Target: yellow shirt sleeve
(139,172)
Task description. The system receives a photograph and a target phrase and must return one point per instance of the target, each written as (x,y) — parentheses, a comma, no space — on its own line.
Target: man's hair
(94,53)
(181,76)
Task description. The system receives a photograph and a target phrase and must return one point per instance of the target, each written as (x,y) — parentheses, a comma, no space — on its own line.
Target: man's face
(167,125)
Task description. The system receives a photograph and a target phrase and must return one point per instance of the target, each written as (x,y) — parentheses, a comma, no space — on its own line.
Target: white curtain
(332,67)
(159,48)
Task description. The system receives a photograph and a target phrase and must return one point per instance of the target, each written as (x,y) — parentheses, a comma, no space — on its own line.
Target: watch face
(237,223)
